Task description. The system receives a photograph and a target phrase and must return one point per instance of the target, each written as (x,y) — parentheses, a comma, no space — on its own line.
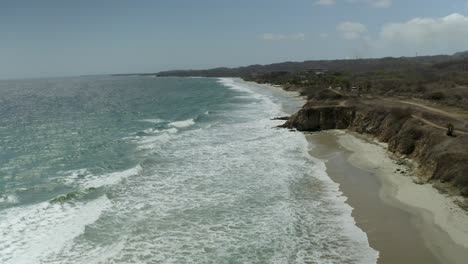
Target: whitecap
(109,179)
(9,199)
(154,120)
(30,234)
(151,131)
(153,142)
(84,179)
(183,124)
(241,87)
(171,130)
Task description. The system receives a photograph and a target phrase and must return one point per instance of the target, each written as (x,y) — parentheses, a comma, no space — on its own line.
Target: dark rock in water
(72,196)
(285,118)
(321,118)
(141,134)
(65,198)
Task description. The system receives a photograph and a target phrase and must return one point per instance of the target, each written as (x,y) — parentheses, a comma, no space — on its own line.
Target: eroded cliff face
(321,118)
(442,160)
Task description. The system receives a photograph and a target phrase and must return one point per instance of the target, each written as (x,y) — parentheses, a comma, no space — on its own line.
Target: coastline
(299,100)
(404,221)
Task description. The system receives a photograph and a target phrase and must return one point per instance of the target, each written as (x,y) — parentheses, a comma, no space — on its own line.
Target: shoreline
(404,221)
(301,99)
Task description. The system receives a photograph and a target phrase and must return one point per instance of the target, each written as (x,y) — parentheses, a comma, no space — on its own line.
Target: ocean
(163,170)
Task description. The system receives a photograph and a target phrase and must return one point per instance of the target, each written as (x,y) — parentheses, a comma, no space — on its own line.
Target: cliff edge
(442,159)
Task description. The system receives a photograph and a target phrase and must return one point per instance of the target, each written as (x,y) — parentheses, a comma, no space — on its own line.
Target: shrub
(406,146)
(327,95)
(413,132)
(458,97)
(450,129)
(421,88)
(400,113)
(436,96)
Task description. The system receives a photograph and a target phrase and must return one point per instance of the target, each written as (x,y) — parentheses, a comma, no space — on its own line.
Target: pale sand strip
(440,216)
(442,224)
(389,229)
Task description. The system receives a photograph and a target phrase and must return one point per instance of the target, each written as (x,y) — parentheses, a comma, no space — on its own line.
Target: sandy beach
(404,221)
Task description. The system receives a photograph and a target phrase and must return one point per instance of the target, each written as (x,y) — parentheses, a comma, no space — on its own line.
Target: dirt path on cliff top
(427,122)
(460,117)
(432,109)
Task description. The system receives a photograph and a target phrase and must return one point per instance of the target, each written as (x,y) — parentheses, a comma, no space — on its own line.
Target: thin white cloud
(279,37)
(351,30)
(427,35)
(424,36)
(373,3)
(325,2)
(381,3)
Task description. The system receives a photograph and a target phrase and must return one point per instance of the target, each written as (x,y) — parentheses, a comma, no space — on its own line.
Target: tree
(368,86)
(347,85)
(450,129)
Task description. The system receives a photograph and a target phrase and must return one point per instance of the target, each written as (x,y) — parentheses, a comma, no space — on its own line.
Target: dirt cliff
(322,118)
(443,160)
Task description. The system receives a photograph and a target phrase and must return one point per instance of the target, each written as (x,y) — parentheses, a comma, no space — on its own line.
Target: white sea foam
(183,124)
(154,131)
(84,179)
(153,138)
(171,130)
(344,220)
(29,234)
(151,142)
(151,131)
(9,199)
(238,86)
(266,192)
(241,187)
(340,221)
(111,178)
(154,120)
(237,191)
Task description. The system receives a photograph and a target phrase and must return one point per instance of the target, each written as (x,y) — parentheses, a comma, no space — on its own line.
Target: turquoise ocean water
(163,170)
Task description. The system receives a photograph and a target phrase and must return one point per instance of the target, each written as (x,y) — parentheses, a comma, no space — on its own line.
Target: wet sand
(405,222)
(400,232)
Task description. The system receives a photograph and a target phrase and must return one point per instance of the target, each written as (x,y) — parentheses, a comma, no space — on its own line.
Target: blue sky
(66,38)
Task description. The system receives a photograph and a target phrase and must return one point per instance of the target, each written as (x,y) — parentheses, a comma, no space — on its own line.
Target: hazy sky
(65,38)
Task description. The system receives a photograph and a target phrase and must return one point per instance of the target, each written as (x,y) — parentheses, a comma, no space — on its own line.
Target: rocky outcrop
(321,118)
(442,159)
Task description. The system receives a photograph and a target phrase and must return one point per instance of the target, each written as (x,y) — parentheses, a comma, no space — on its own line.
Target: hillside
(357,65)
